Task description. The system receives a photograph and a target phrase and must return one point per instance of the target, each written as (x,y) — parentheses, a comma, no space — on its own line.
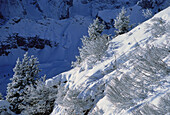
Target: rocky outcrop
(15,41)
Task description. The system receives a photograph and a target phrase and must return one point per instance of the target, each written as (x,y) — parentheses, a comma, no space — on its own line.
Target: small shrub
(147,13)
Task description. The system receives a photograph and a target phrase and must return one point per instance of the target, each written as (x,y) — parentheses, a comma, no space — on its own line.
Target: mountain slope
(51,30)
(90,84)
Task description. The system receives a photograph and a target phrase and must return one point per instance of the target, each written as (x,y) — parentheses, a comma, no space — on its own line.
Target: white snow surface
(4,105)
(94,80)
(65,22)
(62,22)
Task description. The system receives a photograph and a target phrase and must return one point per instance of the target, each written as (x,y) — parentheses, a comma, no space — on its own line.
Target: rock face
(51,30)
(35,9)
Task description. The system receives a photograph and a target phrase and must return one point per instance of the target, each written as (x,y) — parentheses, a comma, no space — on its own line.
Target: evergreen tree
(95,29)
(94,46)
(122,22)
(39,100)
(25,74)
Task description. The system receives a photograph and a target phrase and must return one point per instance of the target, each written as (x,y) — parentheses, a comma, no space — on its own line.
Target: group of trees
(27,93)
(145,74)
(25,74)
(96,43)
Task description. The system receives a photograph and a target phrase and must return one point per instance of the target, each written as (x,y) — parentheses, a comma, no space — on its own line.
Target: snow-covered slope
(56,27)
(91,83)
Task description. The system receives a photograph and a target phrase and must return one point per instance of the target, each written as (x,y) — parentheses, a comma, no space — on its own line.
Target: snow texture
(63,23)
(93,81)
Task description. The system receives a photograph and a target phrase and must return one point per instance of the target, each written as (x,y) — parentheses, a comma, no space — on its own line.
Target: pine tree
(122,22)
(25,74)
(39,100)
(95,29)
(93,46)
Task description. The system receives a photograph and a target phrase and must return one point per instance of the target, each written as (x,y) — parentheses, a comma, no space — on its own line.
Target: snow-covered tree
(39,100)
(25,74)
(95,29)
(94,46)
(147,13)
(121,23)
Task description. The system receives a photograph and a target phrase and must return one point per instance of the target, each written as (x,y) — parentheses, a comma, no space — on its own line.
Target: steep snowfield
(92,81)
(60,22)
(34,18)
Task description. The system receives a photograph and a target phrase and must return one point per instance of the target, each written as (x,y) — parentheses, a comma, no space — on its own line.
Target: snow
(106,106)
(4,105)
(94,80)
(67,33)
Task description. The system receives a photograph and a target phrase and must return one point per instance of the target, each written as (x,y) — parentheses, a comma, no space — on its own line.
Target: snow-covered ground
(63,23)
(91,82)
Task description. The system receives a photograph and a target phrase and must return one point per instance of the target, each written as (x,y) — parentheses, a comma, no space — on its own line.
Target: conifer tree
(25,74)
(95,29)
(122,22)
(94,45)
(39,100)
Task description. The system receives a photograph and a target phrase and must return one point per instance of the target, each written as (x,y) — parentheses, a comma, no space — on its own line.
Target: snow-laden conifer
(39,100)
(121,23)
(147,13)
(95,29)
(25,74)
(94,45)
